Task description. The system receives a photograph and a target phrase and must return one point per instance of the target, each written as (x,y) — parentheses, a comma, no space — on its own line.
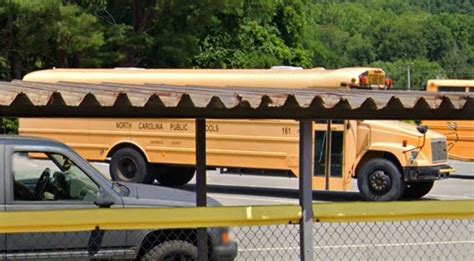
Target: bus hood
(401,128)
(156,196)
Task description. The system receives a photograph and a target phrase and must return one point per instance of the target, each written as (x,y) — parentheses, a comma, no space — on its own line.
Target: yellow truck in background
(389,159)
(460,134)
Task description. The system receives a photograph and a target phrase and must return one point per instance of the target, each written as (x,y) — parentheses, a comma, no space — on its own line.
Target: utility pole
(408,78)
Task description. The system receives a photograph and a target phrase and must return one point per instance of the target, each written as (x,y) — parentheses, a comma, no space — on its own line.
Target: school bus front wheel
(129,165)
(380,180)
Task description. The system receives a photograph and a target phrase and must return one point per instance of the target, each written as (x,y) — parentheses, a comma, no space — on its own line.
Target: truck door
(328,140)
(40,179)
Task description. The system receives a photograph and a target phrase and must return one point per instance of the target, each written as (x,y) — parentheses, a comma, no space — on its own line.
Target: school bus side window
(451,89)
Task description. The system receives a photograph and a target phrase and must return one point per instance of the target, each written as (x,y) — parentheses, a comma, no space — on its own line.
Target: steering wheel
(42,184)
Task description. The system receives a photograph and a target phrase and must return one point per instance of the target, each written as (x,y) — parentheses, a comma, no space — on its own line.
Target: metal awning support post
(306,190)
(328,148)
(201,186)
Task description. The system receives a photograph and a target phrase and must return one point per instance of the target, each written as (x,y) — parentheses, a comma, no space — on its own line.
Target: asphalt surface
(463,169)
(234,189)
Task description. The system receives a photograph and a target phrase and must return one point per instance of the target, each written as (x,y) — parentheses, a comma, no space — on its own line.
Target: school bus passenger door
(328,143)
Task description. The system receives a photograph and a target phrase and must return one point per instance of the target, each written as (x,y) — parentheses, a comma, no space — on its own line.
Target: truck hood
(157,196)
(401,128)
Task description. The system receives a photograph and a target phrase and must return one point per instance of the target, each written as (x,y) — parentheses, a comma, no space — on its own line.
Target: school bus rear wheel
(175,175)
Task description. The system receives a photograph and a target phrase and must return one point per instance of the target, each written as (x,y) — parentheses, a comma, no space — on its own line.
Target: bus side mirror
(452,126)
(422,129)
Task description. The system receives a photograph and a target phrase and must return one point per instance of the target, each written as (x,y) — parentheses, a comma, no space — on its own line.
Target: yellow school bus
(389,159)
(460,134)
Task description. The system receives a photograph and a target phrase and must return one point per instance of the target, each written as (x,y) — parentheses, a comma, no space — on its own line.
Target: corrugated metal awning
(27,99)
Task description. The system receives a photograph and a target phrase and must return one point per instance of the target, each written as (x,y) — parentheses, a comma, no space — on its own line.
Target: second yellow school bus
(460,133)
(389,159)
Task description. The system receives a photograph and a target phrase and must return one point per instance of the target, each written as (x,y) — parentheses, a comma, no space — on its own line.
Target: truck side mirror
(422,129)
(104,200)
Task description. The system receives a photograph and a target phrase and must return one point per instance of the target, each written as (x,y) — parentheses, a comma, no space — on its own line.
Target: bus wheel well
(378,154)
(126,145)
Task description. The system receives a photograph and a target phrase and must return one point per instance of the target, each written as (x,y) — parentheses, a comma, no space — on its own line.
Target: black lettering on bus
(150,126)
(123,125)
(179,126)
(286,130)
(212,127)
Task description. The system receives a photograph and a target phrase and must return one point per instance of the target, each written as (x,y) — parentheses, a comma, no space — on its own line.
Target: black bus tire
(173,176)
(380,180)
(129,165)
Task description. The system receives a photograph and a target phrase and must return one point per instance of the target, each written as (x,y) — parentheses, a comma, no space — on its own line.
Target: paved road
(234,189)
(463,169)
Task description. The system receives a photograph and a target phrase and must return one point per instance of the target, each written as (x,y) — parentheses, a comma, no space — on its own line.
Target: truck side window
(44,176)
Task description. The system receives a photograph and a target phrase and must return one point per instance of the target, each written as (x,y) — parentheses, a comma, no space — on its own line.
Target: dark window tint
(320,153)
(451,89)
(332,121)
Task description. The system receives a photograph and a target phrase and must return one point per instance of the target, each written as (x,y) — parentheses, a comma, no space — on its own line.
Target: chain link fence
(406,240)
(168,244)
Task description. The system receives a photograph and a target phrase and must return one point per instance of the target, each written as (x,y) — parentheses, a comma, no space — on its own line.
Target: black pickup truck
(39,174)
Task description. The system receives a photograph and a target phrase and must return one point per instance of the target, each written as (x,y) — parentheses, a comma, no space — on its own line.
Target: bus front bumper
(417,174)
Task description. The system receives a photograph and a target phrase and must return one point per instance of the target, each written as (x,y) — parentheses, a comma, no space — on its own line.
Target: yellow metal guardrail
(163,218)
(145,218)
(393,211)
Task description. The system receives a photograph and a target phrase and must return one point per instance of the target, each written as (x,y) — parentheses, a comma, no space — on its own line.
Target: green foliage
(262,34)
(9,125)
(236,34)
(433,38)
(75,31)
(401,38)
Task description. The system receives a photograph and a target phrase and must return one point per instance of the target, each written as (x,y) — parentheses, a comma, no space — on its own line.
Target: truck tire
(128,165)
(172,176)
(172,250)
(380,180)
(417,190)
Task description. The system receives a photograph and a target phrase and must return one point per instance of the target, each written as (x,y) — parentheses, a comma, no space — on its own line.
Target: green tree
(42,34)
(262,34)
(78,37)
(439,38)
(459,64)
(401,38)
